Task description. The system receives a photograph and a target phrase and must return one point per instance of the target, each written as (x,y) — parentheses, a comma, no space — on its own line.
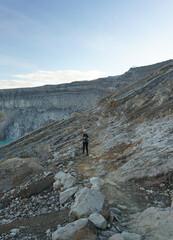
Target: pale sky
(57,41)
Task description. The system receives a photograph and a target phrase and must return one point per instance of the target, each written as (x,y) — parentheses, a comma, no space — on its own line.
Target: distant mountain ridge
(28,109)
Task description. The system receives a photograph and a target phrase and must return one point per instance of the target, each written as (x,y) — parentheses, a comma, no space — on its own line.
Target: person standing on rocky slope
(85,139)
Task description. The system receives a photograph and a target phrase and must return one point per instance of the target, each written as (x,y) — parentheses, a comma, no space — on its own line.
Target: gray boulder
(66,232)
(66,180)
(96,182)
(154,223)
(69,181)
(60,176)
(87,201)
(65,195)
(98,220)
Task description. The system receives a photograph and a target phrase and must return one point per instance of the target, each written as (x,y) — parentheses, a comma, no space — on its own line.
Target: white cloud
(41,78)
(8,84)
(57,77)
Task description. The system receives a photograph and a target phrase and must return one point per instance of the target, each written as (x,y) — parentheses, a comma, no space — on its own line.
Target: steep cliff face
(28,109)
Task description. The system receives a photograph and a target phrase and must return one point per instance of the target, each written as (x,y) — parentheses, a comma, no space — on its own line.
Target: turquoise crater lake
(5,142)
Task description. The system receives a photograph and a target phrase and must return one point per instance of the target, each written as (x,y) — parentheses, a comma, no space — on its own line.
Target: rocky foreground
(122,191)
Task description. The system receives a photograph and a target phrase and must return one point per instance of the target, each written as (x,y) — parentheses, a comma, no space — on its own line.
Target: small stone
(57,185)
(102,160)
(142,189)
(48,231)
(59,226)
(71,163)
(123,207)
(115,210)
(124,224)
(162,185)
(107,233)
(47,173)
(115,230)
(12,191)
(22,227)
(73,153)
(56,154)
(14,232)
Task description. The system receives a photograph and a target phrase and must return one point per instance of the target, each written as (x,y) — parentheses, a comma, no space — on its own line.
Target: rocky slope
(30,108)
(122,190)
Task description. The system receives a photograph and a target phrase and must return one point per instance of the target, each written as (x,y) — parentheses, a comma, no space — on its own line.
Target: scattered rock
(34,206)
(66,232)
(98,220)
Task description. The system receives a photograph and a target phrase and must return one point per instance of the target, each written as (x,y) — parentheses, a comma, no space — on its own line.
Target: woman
(85,139)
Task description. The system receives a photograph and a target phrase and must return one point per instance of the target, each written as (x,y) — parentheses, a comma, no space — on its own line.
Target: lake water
(5,142)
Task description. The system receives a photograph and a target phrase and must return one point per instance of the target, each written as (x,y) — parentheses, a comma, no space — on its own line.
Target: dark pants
(85,145)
